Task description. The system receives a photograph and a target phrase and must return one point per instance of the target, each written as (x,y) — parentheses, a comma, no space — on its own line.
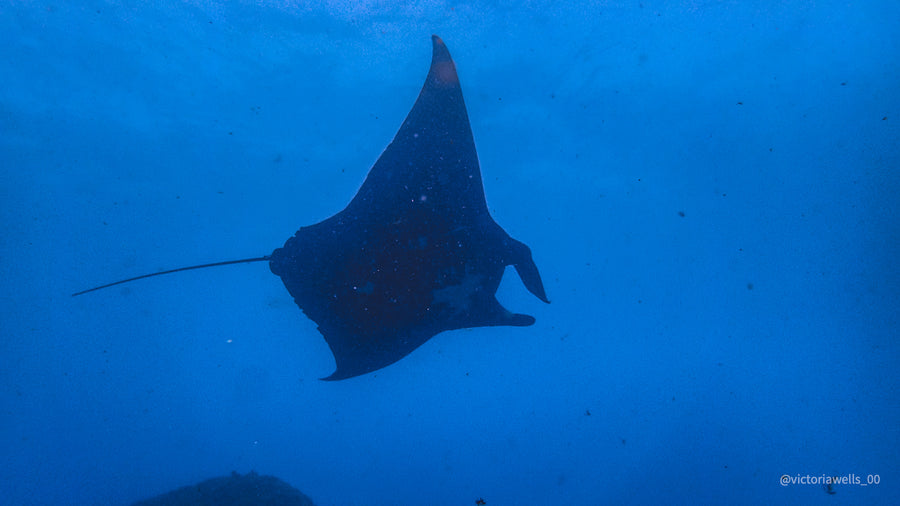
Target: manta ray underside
(415,252)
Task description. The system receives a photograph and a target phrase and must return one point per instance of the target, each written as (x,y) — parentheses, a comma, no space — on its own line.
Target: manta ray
(415,252)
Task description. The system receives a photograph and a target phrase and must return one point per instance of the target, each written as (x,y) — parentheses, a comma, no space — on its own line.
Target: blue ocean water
(710,190)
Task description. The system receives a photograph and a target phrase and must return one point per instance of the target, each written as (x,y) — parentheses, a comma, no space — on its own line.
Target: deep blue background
(755,336)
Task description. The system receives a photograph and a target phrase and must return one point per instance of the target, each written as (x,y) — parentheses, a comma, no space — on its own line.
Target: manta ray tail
(216,264)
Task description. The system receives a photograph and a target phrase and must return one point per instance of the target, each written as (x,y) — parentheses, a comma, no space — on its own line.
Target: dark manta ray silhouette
(416,251)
